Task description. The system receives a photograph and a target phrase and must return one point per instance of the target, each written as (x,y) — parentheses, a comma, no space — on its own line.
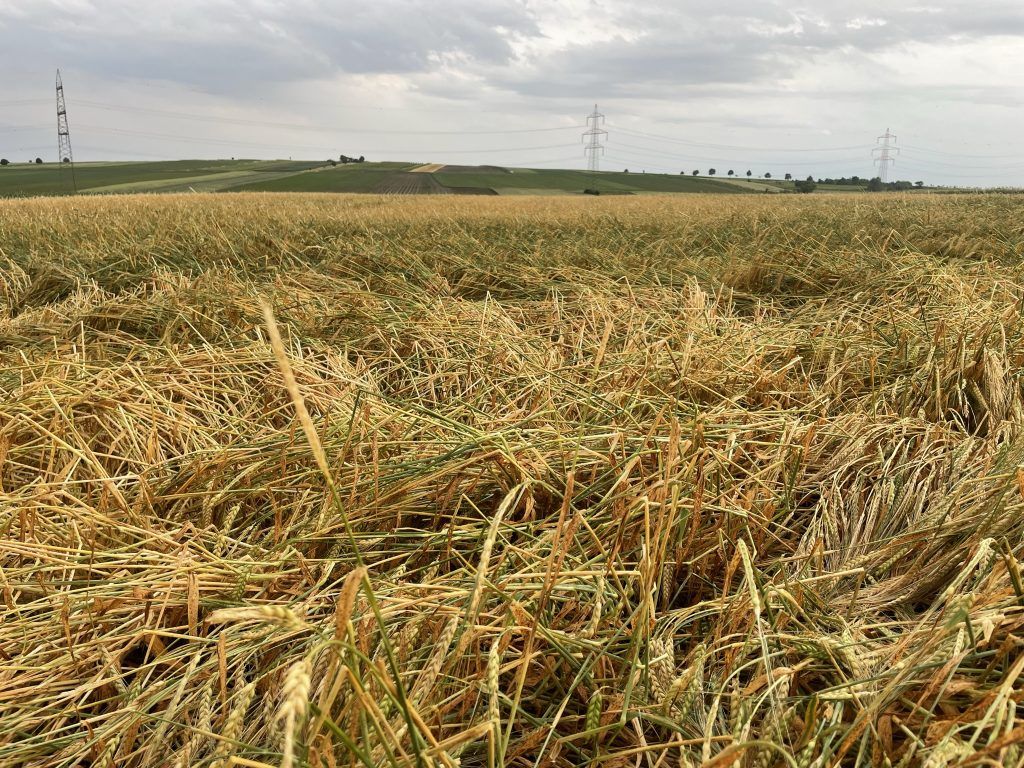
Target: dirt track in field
(428,168)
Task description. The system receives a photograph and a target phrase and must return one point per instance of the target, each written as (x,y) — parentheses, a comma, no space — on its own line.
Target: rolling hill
(29,179)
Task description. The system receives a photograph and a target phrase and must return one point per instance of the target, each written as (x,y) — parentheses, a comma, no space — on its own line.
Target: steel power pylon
(886,155)
(594,149)
(64,155)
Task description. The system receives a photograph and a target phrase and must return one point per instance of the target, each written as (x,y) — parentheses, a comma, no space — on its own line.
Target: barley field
(332,481)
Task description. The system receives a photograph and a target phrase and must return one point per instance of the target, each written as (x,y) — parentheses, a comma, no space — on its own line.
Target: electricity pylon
(594,149)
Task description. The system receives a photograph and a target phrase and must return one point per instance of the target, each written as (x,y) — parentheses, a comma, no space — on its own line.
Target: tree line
(810,183)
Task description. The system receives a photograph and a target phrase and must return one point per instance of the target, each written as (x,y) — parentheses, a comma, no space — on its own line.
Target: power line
(318,129)
(93,128)
(593,136)
(530,162)
(594,150)
(732,147)
(321,147)
(645,164)
(286,144)
(886,155)
(987,174)
(628,149)
(64,155)
(32,148)
(524,163)
(123,151)
(97,129)
(931,151)
(734,161)
(350,104)
(932,161)
(20,102)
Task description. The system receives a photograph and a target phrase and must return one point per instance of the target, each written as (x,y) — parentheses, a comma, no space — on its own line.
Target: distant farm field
(27,179)
(331,480)
(537,181)
(358,177)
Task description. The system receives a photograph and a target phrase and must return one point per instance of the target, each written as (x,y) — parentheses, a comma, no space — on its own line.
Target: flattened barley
(780,435)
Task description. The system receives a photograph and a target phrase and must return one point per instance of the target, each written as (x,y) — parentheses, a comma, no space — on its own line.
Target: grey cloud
(748,69)
(629,70)
(668,47)
(220,44)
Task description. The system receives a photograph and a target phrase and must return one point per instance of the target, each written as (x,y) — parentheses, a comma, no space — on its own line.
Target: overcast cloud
(770,85)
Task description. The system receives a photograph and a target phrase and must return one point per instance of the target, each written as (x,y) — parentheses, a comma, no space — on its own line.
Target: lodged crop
(324,481)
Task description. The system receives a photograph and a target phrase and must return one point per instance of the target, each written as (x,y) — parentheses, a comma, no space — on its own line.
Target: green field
(361,177)
(505,181)
(526,180)
(25,179)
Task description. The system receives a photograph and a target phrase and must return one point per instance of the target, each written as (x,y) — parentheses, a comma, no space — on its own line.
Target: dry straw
(627,481)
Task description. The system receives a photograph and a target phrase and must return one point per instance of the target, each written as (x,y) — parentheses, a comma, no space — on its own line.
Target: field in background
(359,177)
(26,179)
(536,181)
(627,481)
(23,180)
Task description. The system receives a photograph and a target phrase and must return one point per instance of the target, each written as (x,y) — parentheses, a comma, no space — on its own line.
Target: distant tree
(917,184)
(333,163)
(625,170)
(711,171)
(749,174)
(805,187)
(68,160)
(789,177)
(767,175)
(361,159)
(732,173)
(39,161)
(5,161)
(875,185)
(696,173)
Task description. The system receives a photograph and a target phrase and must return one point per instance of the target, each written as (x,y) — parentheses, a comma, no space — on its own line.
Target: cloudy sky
(766,85)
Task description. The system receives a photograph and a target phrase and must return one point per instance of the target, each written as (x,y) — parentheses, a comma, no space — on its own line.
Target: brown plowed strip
(429,168)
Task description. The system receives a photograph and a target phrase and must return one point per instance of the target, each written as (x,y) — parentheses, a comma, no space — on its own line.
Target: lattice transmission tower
(887,152)
(64,155)
(594,148)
